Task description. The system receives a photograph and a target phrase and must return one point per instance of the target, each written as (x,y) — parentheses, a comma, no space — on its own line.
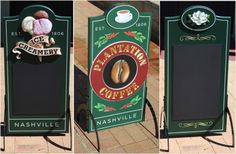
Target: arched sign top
(122,16)
(34,8)
(198,18)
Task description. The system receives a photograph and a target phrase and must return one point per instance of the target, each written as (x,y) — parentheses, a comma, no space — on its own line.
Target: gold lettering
(109,94)
(136,52)
(101,91)
(107,55)
(100,62)
(96,68)
(129,91)
(140,56)
(142,62)
(115,94)
(120,46)
(113,50)
(127,47)
(135,86)
(132,49)
(122,93)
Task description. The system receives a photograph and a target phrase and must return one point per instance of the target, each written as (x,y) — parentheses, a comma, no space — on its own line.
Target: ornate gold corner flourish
(197,38)
(195,124)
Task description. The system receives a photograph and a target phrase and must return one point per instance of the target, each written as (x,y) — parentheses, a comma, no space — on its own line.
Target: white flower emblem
(199,18)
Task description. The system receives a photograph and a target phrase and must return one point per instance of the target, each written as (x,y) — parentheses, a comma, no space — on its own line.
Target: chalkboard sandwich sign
(118,65)
(196,66)
(37,52)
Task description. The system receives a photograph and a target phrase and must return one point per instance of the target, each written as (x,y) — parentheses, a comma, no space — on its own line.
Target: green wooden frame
(217,33)
(11,23)
(102,21)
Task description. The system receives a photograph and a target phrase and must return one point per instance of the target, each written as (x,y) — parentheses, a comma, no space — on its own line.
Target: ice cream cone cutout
(38,26)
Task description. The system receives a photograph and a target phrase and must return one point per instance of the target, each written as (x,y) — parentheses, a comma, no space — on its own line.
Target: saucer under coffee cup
(123,16)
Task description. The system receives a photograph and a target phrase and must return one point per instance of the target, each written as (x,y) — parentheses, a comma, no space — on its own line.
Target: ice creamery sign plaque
(37,47)
(118,62)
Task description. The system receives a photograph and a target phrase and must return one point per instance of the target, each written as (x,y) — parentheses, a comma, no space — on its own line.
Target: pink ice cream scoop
(42,26)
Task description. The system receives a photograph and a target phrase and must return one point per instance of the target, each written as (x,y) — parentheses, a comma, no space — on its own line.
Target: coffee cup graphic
(123,16)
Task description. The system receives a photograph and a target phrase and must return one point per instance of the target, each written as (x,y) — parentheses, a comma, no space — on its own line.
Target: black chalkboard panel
(38,89)
(196,81)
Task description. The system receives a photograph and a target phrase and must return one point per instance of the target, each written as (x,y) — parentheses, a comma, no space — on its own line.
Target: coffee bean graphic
(120,71)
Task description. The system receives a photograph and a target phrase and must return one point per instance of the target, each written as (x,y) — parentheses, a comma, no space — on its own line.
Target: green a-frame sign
(37,54)
(118,38)
(196,67)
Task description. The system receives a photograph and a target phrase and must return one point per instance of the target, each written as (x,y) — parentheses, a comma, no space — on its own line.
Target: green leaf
(133,100)
(99,44)
(136,38)
(103,106)
(139,99)
(139,33)
(107,34)
(104,41)
(129,106)
(136,100)
(96,106)
(143,37)
(101,37)
(134,32)
(100,110)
